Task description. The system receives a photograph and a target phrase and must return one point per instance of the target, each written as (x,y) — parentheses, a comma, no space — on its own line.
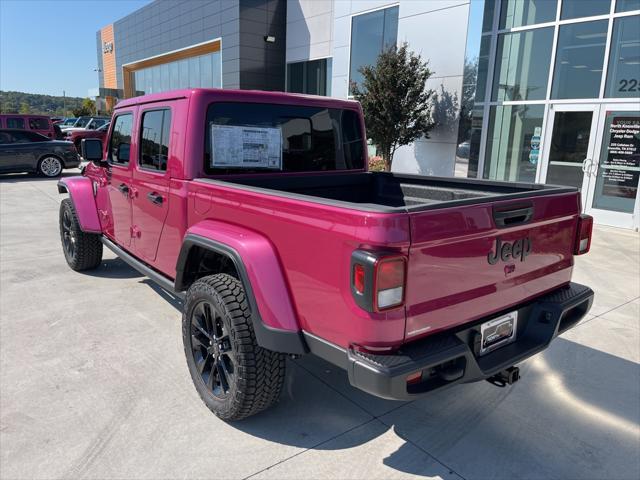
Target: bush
(376,164)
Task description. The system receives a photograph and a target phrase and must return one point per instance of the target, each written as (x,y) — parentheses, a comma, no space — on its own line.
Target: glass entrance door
(612,197)
(596,148)
(569,146)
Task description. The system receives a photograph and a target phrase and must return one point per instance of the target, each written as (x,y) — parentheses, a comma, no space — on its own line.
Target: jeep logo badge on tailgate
(516,250)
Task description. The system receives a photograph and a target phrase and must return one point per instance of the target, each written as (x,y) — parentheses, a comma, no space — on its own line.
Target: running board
(165,282)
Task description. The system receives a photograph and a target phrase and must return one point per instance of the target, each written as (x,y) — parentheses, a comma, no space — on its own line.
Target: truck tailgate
(454,276)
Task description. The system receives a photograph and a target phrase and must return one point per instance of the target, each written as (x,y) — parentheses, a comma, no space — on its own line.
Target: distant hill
(19,102)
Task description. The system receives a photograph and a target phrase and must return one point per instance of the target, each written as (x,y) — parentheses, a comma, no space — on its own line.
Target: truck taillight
(389,285)
(378,280)
(359,278)
(583,236)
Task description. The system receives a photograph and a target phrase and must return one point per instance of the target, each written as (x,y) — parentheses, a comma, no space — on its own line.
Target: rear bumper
(448,358)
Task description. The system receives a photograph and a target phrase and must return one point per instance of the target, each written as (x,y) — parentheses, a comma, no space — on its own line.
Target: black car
(24,151)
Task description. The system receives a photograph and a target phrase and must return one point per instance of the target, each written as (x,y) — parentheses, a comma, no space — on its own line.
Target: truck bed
(389,192)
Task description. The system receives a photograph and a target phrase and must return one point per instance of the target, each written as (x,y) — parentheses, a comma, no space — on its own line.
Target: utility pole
(64,103)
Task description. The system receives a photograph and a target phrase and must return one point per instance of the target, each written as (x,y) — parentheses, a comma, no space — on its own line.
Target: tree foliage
(20,102)
(395,101)
(87,108)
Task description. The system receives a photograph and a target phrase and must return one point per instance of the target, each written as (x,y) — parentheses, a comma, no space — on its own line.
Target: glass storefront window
(489,12)
(522,65)
(474,84)
(579,60)
(517,13)
(202,71)
(483,68)
(627,5)
(371,33)
(623,73)
(513,141)
(310,77)
(584,8)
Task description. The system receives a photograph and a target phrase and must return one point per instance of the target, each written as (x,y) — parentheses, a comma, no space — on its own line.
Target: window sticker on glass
(246,147)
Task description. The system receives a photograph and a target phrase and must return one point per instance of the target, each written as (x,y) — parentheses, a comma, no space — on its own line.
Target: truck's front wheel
(234,376)
(83,251)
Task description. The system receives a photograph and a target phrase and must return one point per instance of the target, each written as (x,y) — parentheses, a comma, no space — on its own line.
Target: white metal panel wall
(437,30)
(309,29)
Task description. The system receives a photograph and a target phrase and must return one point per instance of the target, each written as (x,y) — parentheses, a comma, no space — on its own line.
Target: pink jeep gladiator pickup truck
(257,209)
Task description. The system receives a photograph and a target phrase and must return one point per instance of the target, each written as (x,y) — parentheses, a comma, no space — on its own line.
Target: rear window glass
(38,124)
(15,123)
(308,138)
(154,141)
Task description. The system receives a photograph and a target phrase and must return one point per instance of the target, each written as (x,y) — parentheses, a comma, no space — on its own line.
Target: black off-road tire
(258,374)
(83,251)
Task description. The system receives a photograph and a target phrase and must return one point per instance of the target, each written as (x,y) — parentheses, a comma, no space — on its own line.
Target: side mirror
(91,150)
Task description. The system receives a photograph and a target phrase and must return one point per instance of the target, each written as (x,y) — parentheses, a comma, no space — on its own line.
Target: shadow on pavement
(113,268)
(31,177)
(575,414)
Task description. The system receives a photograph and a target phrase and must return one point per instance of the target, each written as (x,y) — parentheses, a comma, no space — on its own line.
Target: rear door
(469,262)
(150,190)
(41,125)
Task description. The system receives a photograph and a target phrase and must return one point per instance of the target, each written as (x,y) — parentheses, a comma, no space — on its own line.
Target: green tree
(24,108)
(87,108)
(395,101)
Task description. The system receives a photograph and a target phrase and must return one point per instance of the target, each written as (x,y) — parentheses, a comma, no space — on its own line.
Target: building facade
(524,90)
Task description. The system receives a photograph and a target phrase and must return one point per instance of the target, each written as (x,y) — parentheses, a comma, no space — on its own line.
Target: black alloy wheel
(69,237)
(211,349)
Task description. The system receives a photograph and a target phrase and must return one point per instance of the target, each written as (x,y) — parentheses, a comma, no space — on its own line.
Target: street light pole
(64,103)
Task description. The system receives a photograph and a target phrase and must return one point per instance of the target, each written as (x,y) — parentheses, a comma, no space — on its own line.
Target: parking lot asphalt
(94,384)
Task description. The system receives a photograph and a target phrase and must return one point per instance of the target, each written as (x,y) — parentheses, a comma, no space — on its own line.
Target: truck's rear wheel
(234,376)
(83,251)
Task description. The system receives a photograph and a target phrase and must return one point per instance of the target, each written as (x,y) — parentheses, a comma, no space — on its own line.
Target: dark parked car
(24,151)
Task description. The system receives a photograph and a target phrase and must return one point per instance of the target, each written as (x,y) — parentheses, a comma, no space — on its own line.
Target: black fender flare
(275,339)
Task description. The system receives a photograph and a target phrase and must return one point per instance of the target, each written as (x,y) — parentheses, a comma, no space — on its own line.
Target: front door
(16,152)
(612,198)
(569,146)
(120,152)
(596,148)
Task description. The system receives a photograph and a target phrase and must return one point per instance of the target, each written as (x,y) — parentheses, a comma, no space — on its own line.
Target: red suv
(36,123)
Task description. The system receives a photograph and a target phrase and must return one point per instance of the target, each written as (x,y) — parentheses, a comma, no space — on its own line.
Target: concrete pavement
(93,384)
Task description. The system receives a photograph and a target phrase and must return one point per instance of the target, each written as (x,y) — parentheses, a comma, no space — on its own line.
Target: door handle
(155,198)
(123,189)
(586,166)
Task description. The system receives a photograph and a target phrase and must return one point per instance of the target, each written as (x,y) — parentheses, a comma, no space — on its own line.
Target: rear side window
(154,139)
(311,138)
(34,137)
(120,141)
(38,124)
(15,123)
(5,138)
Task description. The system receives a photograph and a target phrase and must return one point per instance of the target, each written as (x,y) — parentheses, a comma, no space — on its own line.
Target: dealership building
(523,90)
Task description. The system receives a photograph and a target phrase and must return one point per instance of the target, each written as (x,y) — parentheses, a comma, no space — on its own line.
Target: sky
(47,46)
